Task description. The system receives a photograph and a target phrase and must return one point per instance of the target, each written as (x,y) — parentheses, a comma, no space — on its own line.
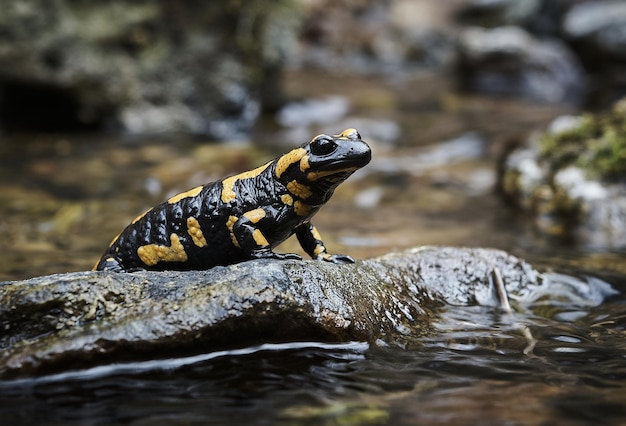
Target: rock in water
(75,320)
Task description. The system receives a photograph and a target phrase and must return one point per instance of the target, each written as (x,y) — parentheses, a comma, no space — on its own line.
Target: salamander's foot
(335,258)
(110,264)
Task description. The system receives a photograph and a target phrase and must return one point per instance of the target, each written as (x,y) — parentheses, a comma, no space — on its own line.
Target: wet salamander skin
(243,216)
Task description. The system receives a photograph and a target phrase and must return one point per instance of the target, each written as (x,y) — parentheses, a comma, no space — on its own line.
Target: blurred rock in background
(209,68)
(140,66)
(510,61)
(592,30)
(551,51)
(370,36)
(597,32)
(570,179)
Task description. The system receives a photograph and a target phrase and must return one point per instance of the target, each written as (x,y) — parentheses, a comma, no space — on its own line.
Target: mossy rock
(572,180)
(597,144)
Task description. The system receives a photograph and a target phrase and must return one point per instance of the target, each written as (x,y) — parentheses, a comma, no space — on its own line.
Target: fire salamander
(244,216)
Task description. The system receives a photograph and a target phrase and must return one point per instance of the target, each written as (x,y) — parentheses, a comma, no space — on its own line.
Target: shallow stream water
(63,197)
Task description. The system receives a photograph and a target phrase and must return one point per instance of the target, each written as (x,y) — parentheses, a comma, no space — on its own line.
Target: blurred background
(108,108)
(494,123)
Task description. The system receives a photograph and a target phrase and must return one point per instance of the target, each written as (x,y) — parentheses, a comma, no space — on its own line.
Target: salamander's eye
(323,145)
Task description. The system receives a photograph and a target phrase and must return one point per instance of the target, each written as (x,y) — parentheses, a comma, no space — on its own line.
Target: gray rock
(69,321)
(597,31)
(510,61)
(593,19)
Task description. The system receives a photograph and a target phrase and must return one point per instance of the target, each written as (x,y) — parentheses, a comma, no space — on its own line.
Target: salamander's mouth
(326,185)
(344,165)
(331,174)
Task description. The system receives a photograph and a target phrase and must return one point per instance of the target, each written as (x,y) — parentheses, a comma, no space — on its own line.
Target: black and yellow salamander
(244,216)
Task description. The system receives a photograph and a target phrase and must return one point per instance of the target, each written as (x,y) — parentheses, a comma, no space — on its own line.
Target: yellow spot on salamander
(229,224)
(194,230)
(259,238)
(313,176)
(348,134)
(191,193)
(319,246)
(304,164)
(293,156)
(316,234)
(301,209)
(299,190)
(286,199)
(254,215)
(152,254)
(228,194)
(326,256)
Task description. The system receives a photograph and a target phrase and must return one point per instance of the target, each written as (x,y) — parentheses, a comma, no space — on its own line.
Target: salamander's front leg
(312,243)
(112,264)
(248,237)
(109,263)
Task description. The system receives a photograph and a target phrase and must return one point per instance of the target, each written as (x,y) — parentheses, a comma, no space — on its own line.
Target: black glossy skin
(245,216)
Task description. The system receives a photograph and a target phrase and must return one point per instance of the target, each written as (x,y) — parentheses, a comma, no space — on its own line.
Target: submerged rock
(572,178)
(68,321)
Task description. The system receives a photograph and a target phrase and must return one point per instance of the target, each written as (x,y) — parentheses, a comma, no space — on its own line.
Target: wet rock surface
(68,321)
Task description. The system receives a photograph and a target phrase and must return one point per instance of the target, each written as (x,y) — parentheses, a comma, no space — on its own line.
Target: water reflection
(164,365)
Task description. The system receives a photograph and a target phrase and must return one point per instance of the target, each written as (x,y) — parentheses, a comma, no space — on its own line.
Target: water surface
(63,197)
(545,365)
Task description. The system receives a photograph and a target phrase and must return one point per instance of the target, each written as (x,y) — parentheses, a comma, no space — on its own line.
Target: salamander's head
(323,163)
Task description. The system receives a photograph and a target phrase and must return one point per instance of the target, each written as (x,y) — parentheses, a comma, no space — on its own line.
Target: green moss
(597,144)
